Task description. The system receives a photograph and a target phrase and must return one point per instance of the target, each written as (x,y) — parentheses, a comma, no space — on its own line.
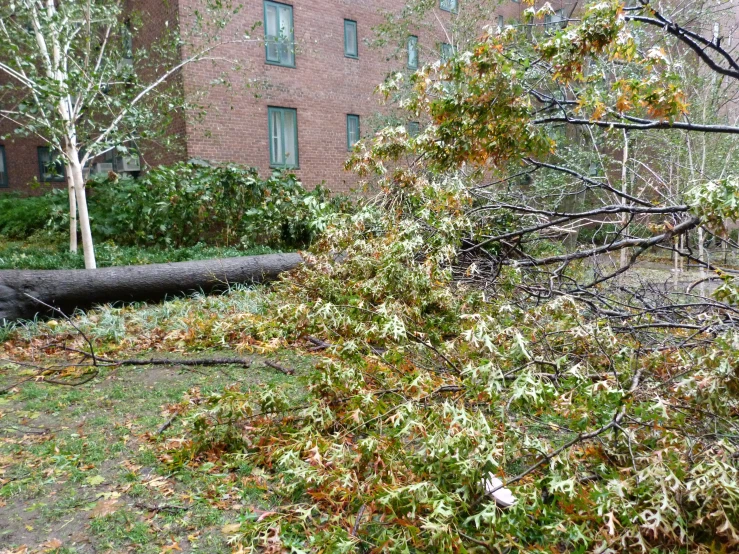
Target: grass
(44,252)
(83,469)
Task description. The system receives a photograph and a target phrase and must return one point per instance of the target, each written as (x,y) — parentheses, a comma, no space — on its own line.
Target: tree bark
(624,188)
(72,214)
(84,219)
(71,289)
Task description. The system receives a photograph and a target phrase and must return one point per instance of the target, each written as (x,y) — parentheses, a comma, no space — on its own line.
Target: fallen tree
(473,340)
(70,289)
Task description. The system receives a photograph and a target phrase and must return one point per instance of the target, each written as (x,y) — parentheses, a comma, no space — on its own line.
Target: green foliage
(179,206)
(42,252)
(185,204)
(716,202)
(22,217)
(452,346)
(430,385)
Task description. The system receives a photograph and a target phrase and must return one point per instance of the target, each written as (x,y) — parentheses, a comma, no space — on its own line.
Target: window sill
(296,167)
(351,57)
(280,64)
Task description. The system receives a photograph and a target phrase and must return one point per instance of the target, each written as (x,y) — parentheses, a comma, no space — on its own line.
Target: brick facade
(323,87)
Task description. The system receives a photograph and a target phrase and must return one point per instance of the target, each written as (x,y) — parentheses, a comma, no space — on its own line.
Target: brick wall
(154,16)
(324,86)
(22,165)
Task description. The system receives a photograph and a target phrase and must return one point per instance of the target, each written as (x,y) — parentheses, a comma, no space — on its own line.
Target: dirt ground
(82,469)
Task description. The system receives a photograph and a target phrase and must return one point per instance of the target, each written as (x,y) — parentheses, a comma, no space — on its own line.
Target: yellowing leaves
(623,104)
(95,480)
(231,528)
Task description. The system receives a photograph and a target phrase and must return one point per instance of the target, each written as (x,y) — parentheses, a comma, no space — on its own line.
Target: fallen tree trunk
(68,289)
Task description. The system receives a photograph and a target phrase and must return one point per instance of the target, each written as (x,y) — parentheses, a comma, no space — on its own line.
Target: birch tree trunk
(702,258)
(72,213)
(75,170)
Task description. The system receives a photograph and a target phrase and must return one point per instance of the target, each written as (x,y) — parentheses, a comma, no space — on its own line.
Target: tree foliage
(460,333)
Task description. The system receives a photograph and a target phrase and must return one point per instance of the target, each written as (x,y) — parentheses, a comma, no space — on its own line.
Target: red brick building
(311,86)
(311,75)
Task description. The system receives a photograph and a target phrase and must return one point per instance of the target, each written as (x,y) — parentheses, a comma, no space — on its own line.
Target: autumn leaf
(51,544)
(230,528)
(105,507)
(171,547)
(95,480)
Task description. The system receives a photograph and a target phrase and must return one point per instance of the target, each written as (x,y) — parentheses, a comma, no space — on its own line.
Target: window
(412,52)
(279,34)
(50,166)
(127,41)
(447,52)
(414,128)
(352,130)
(554,20)
(283,137)
(350,39)
(501,23)
(3,170)
(448,5)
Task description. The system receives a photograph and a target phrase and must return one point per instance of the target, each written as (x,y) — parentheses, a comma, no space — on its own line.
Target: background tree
(76,76)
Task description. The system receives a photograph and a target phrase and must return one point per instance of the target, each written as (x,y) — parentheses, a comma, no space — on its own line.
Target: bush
(41,253)
(185,204)
(22,217)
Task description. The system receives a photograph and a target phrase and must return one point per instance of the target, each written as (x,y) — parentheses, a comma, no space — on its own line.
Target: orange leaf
(171,547)
(104,508)
(51,544)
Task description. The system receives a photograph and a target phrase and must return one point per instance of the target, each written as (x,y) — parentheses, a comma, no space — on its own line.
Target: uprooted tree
(462,329)
(77,76)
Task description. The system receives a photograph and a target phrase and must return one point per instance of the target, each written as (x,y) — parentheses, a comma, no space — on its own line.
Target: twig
(161,507)
(285,370)
(73,383)
(167,424)
(186,362)
(360,514)
(245,362)
(319,344)
(69,320)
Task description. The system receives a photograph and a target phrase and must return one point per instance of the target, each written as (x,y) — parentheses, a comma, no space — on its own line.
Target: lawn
(87,468)
(43,252)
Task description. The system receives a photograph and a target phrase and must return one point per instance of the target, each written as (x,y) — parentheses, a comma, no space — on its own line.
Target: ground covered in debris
(85,468)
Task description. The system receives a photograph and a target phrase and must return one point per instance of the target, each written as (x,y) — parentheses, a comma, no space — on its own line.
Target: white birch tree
(70,77)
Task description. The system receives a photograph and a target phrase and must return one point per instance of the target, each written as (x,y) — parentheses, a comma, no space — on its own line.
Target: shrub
(186,203)
(22,217)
